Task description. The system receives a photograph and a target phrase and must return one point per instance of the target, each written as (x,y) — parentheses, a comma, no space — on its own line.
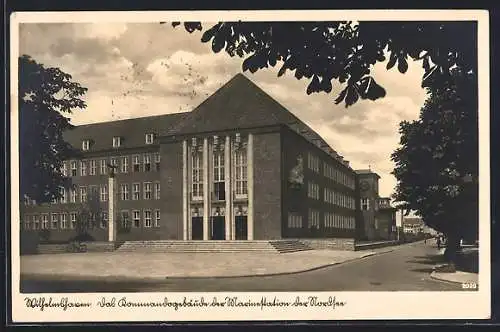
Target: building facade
(238,167)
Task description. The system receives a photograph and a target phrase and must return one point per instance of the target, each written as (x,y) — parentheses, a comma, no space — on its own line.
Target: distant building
(413,225)
(378,217)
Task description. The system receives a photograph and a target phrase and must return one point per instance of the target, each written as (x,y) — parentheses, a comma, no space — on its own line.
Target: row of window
(219,169)
(313,163)
(137,219)
(339,199)
(81,194)
(117,141)
(338,176)
(331,220)
(121,164)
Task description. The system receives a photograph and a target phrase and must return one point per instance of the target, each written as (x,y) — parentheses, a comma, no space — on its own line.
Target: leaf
(341,96)
(375,91)
(402,65)
(218,44)
(209,34)
(282,70)
(392,61)
(313,86)
(351,97)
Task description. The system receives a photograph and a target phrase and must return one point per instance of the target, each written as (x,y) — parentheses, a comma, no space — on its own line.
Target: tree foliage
(437,162)
(45,95)
(344,52)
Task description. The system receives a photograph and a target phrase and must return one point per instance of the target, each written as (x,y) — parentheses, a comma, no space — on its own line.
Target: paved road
(407,268)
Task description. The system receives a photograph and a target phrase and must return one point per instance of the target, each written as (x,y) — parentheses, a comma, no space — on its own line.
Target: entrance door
(197,228)
(218,228)
(241,228)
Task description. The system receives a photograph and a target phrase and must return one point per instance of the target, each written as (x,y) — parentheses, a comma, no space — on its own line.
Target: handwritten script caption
(65,303)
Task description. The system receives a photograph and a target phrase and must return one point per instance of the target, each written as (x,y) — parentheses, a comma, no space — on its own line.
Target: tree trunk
(452,248)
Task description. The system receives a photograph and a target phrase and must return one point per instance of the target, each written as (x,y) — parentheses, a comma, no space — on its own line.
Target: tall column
(185,206)
(206,191)
(111,208)
(250,185)
(228,187)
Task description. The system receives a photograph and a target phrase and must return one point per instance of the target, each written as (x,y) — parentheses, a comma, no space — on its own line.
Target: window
(125,219)
(294,220)
(219,184)
(93,193)
(36,222)
(328,220)
(104,193)
(83,194)
(157,218)
(365,204)
(72,194)
(157,190)
(136,189)
(313,190)
(73,168)
(85,145)
(64,168)
(313,219)
(147,218)
(147,162)
(104,166)
(54,221)
(149,138)
(73,220)
(197,177)
(83,168)
(104,220)
(124,164)
(136,216)
(114,163)
(93,167)
(64,220)
(45,221)
(137,164)
(27,221)
(117,142)
(147,190)
(62,193)
(157,162)
(313,162)
(124,191)
(241,173)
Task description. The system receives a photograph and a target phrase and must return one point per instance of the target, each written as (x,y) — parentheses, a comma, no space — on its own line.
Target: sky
(141,69)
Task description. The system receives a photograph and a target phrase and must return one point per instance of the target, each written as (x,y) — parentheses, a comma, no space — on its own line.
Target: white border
(360,305)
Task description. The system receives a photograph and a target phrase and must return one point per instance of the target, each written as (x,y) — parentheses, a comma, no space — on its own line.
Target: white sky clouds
(134,70)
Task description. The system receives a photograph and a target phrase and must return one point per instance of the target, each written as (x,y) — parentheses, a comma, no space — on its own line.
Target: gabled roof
(132,131)
(239,104)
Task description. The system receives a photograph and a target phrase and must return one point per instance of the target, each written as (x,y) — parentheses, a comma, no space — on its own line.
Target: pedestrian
(439,242)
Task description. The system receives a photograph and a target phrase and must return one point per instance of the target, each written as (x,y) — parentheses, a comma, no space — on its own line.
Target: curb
(434,277)
(55,277)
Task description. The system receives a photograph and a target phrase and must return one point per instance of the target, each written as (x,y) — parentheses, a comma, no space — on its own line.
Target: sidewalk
(458,277)
(465,274)
(147,266)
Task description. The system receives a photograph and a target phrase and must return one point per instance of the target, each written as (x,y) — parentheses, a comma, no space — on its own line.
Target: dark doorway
(218,229)
(241,228)
(197,228)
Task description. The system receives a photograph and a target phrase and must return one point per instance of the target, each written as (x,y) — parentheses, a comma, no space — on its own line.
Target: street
(407,268)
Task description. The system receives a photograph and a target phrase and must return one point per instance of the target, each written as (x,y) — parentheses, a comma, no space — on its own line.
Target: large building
(238,167)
